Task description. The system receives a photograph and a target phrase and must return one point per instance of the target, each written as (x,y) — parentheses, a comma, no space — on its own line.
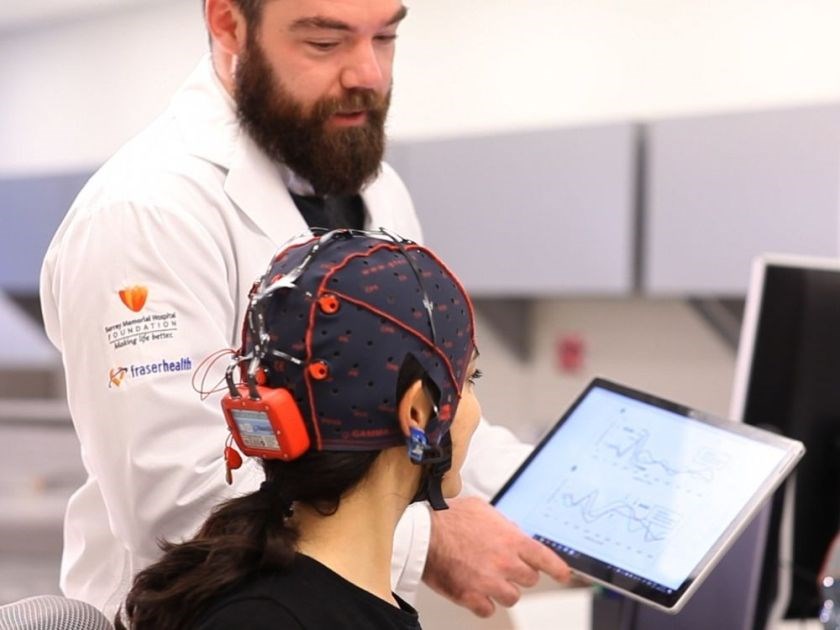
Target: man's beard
(338,161)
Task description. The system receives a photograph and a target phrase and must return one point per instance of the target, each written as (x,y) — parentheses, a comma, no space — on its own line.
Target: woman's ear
(415,408)
(226,25)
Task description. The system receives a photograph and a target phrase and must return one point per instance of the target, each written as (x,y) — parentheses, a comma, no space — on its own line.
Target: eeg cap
(327,330)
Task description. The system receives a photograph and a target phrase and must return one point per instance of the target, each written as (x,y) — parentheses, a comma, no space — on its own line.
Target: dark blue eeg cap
(333,320)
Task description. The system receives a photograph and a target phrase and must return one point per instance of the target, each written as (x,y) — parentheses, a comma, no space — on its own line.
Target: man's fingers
(480,605)
(524,575)
(541,558)
(480,573)
(507,595)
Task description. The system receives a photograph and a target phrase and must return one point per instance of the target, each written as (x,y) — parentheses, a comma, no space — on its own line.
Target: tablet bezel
(668,600)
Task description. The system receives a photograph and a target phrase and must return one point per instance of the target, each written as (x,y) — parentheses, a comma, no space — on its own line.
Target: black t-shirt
(331,212)
(305,595)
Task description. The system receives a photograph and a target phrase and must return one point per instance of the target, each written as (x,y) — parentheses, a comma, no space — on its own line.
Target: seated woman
(356,391)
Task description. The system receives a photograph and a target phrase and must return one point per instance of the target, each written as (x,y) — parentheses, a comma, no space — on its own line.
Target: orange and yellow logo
(134,297)
(116,376)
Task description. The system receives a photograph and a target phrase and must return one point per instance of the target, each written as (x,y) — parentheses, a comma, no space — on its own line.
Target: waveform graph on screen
(652,523)
(633,487)
(615,524)
(628,446)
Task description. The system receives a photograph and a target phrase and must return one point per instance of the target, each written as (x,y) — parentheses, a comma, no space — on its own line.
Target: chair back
(52,612)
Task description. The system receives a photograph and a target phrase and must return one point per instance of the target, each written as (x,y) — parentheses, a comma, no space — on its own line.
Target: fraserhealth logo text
(117,376)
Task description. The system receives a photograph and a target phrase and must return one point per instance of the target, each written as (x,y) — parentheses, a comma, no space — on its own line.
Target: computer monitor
(788,377)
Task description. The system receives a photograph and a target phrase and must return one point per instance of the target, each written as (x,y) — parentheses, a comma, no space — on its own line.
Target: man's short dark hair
(251,9)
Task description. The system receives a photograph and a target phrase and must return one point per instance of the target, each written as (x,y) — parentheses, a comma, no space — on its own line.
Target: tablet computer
(644,495)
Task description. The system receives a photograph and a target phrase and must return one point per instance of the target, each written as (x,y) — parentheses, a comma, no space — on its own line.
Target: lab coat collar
(254,184)
(206,117)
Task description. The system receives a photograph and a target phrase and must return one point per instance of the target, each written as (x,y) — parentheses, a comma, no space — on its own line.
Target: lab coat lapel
(254,184)
(207,122)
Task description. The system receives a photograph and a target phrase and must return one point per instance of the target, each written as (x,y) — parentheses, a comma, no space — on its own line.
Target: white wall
(74,91)
(661,346)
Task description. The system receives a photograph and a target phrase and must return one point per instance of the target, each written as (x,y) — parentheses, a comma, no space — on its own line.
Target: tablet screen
(643,494)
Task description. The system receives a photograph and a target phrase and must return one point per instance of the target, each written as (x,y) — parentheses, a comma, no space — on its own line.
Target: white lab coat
(192,211)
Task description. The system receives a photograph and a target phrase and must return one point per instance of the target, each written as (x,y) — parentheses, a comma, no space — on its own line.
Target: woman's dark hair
(242,536)
(246,534)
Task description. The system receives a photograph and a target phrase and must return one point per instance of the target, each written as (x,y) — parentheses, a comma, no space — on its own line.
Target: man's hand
(477,556)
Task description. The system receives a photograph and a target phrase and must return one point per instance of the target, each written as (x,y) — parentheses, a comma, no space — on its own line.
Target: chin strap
(437,459)
(433,491)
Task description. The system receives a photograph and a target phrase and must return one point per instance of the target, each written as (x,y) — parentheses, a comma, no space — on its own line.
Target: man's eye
(322,46)
(386,39)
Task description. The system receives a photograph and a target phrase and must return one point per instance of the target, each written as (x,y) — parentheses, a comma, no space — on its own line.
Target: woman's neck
(357,541)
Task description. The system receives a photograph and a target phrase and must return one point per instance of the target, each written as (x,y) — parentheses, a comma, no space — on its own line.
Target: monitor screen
(788,377)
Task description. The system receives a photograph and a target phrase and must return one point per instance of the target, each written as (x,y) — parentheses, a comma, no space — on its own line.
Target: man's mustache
(354,101)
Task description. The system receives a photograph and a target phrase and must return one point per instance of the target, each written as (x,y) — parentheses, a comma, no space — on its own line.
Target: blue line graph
(652,521)
(629,445)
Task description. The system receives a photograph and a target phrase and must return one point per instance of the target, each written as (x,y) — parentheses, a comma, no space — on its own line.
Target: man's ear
(415,408)
(226,25)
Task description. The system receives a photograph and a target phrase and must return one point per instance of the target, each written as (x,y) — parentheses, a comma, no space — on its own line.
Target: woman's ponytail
(242,536)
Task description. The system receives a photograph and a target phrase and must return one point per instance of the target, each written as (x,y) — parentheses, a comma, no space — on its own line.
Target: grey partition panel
(31,209)
(722,189)
(528,214)
(23,343)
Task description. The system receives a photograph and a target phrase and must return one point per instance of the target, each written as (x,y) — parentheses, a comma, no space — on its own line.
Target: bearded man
(280,127)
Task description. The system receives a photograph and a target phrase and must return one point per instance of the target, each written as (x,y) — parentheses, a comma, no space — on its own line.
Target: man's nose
(364,69)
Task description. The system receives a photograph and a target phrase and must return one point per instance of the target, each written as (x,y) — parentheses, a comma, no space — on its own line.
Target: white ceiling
(17,15)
